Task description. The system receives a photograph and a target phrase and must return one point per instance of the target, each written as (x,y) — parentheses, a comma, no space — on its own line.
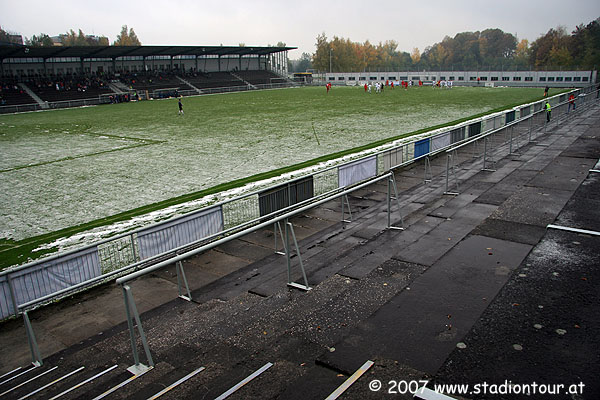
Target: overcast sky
(296,23)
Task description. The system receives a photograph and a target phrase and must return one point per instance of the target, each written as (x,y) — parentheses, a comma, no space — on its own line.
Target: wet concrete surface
(475,290)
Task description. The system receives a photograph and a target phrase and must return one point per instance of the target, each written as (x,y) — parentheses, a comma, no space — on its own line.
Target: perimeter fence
(28,286)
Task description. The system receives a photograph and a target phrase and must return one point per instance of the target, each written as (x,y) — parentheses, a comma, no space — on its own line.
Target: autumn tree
(415,55)
(585,45)
(127,38)
(41,40)
(521,57)
(303,64)
(3,35)
(491,48)
(74,39)
(320,59)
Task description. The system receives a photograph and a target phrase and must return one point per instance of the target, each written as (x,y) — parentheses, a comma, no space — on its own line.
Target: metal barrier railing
(516,134)
(351,176)
(133,317)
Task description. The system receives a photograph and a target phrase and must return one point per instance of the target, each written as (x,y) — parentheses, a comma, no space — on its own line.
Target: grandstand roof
(129,51)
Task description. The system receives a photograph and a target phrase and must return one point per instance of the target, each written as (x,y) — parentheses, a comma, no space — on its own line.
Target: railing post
(131,311)
(428,166)
(36,357)
(530,122)
(448,176)
(287,251)
(276,227)
(181,277)
(510,146)
(347,201)
(392,184)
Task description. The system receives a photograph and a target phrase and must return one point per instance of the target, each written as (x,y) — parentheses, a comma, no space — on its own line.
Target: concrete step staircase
(199,91)
(42,103)
(241,79)
(118,87)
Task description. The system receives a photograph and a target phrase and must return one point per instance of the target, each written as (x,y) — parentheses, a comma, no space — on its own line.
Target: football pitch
(66,171)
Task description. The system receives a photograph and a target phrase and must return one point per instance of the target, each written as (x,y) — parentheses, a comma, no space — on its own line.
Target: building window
(331,78)
(585,79)
(542,79)
(461,78)
(550,79)
(494,78)
(372,78)
(472,78)
(505,78)
(362,78)
(351,78)
(451,78)
(341,78)
(529,79)
(392,78)
(516,78)
(577,79)
(416,78)
(559,79)
(568,79)
(483,78)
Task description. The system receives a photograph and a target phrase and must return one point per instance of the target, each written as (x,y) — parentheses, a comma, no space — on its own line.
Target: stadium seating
(258,77)
(11,94)
(154,83)
(213,80)
(64,88)
(57,88)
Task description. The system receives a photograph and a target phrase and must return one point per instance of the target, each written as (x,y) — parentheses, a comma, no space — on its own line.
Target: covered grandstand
(34,78)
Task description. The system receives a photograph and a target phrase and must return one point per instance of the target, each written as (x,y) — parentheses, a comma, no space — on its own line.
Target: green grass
(68,171)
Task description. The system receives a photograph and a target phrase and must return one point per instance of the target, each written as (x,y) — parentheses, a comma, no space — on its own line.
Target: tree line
(127,37)
(488,49)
